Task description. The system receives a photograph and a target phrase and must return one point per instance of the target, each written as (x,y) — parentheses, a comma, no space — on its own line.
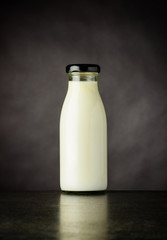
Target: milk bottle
(83,132)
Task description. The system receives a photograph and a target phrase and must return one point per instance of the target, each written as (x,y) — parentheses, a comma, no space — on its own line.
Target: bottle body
(83,139)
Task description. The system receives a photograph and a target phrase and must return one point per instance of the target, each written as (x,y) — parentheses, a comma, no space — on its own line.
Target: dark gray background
(128,40)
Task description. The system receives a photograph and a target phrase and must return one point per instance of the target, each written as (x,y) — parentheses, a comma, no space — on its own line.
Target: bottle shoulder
(82,97)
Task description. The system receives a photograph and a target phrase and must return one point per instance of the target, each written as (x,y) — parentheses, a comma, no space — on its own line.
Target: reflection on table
(83,216)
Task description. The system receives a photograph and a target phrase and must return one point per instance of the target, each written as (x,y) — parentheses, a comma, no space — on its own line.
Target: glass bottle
(83,132)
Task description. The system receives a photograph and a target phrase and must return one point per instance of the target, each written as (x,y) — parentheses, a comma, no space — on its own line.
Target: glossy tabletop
(56,215)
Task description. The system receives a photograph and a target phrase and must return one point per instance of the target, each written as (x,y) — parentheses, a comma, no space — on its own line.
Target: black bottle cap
(82,68)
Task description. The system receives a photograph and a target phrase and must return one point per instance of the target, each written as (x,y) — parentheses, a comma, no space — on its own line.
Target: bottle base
(93,192)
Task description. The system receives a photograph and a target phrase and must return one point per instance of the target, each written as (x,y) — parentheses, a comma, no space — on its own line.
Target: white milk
(83,139)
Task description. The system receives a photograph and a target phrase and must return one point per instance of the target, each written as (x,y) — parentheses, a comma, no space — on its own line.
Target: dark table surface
(56,215)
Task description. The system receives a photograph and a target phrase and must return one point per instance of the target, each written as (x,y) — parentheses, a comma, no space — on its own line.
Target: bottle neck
(83,76)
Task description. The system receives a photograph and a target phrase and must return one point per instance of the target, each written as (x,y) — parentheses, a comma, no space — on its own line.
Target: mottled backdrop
(128,40)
